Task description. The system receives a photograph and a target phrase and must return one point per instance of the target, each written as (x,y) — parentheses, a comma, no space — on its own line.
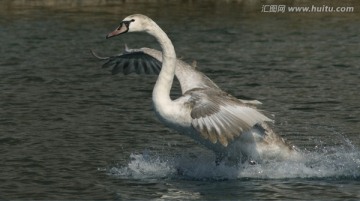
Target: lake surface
(70,130)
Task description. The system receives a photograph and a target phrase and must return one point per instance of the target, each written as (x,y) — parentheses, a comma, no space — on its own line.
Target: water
(70,130)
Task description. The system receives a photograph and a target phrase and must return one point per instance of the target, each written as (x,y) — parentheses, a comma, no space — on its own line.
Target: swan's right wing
(131,62)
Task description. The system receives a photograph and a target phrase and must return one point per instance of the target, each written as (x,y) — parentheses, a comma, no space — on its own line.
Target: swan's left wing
(131,62)
(219,117)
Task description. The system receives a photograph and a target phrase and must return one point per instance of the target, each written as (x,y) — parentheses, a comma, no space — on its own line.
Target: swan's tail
(276,147)
(259,145)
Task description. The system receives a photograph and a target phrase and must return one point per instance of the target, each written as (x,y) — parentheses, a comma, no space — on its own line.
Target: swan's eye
(127,23)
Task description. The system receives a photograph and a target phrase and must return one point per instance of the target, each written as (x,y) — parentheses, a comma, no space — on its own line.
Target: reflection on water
(70,130)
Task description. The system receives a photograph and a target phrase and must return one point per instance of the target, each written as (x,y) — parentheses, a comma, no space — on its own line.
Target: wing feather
(219,117)
(135,61)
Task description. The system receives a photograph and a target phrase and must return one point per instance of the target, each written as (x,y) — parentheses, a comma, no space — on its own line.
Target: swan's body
(232,128)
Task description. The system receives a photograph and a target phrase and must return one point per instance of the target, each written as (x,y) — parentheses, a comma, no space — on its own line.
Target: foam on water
(325,162)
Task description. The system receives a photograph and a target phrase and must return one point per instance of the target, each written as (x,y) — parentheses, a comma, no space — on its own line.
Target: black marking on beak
(123,28)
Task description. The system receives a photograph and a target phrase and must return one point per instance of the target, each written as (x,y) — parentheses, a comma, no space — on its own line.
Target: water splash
(144,166)
(325,162)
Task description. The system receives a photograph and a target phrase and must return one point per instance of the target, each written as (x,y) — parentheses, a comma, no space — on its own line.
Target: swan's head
(132,23)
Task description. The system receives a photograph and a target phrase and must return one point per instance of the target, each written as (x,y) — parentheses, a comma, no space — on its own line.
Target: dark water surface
(70,130)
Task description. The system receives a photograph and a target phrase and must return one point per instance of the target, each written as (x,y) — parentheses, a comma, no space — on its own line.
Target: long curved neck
(161,92)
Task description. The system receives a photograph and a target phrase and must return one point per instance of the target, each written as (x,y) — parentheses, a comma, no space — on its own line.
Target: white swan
(230,127)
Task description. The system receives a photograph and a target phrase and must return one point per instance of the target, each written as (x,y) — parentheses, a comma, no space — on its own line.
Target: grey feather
(131,62)
(220,117)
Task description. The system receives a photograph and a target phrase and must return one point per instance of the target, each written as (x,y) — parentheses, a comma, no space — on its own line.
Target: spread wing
(131,62)
(219,117)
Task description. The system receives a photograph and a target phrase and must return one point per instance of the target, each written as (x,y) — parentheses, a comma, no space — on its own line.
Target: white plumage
(231,127)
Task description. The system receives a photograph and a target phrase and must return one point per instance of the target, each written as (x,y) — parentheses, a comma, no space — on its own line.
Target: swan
(235,130)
